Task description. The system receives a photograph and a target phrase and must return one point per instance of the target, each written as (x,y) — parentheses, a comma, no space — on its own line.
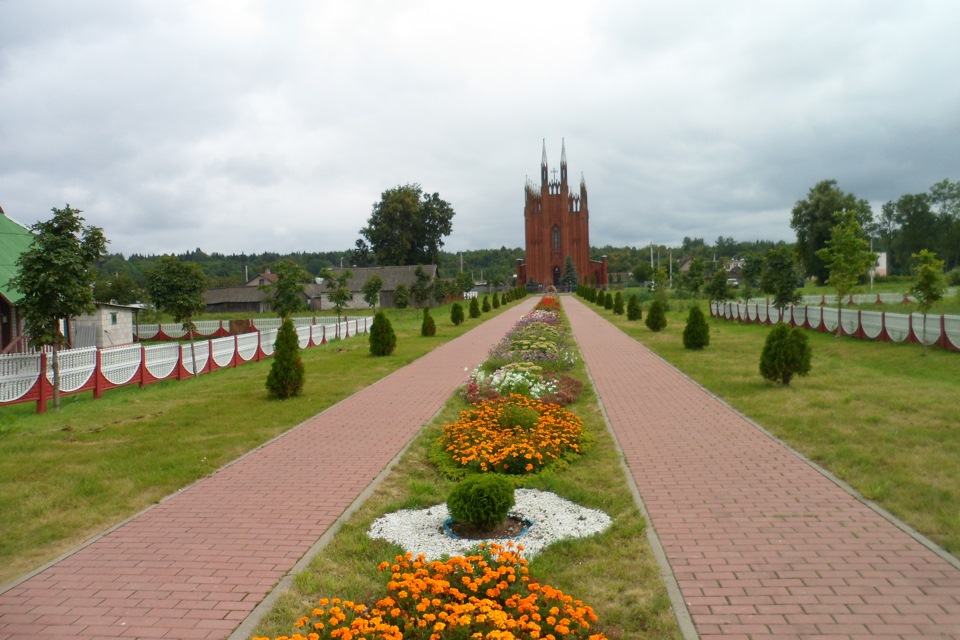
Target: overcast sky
(250,126)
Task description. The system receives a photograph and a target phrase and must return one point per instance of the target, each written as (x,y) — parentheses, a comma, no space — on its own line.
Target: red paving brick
(176,571)
(761,543)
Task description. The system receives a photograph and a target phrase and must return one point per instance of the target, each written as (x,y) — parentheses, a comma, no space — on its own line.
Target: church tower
(557,226)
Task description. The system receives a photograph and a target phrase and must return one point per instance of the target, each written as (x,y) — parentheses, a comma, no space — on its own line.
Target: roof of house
(14,240)
(234,294)
(391,276)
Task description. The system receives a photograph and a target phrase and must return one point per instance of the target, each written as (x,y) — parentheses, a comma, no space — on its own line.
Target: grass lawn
(880,416)
(67,476)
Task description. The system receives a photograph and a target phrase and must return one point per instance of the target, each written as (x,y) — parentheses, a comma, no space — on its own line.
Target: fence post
(98,376)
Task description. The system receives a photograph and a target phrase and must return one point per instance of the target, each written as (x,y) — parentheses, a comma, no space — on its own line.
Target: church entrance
(556,276)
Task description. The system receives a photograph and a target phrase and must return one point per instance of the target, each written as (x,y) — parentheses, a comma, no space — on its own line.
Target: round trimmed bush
(786,353)
(656,317)
(481,500)
(696,335)
(428,328)
(474,308)
(456,313)
(634,310)
(382,338)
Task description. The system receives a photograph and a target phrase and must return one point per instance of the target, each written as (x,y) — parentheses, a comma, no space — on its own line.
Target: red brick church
(557,225)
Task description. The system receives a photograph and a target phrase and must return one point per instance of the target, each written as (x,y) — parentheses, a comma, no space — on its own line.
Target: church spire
(563,161)
(543,164)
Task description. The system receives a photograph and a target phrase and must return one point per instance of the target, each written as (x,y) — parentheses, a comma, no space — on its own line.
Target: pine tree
(786,353)
(696,335)
(456,313)
(382,338)
(634,310)
(286,376)
(496,300)
(474,308)
(656,317)
(618,303)
(485,307)
(428,328)
(608,301)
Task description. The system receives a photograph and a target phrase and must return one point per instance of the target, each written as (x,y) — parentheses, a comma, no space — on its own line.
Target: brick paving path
(198,563)
(761,543)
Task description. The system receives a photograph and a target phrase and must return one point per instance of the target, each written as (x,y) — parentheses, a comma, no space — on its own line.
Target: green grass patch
(878,415)
(67,476)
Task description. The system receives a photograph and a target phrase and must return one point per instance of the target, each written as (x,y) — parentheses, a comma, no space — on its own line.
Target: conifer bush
(656,317)
(618,304)
(474,308)
(696,335)
(382,338)
(286,376)
(786,353)
(456,313)
(601,297)
(634,310)
(485,307)
(496,300)
(428,328)
(608,301)
(481,500)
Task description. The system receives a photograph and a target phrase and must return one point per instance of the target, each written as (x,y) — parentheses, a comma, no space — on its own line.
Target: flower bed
(488,595)
(512,435)
(537,338)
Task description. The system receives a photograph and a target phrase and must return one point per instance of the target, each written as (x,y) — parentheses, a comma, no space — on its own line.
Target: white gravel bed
(554,518)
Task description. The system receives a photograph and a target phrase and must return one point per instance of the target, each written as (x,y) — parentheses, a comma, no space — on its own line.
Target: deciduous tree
(847,257)
(371,290)
(287,291)
(779,278)
(929,285)
(177,288)
(55,277)
(813,217)
(338,293)
(407,226)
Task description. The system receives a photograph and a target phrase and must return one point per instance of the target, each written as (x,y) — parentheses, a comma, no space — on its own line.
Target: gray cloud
(262,127)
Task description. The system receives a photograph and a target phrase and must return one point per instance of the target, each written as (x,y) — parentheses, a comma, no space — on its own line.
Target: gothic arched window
(555,237)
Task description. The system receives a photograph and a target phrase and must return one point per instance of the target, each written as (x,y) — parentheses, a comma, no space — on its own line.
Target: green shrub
(496,300)
(656,317)
(634,310)
(618,303)
(428,328)
(456,313)
(382,338)
(286,376)
(953,277)
(599,297)
(474,308)
(696,335)
(786,353)
(485,306)
(481,500)
(608,301)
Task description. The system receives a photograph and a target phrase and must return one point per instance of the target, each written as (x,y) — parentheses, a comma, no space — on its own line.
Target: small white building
(110,325)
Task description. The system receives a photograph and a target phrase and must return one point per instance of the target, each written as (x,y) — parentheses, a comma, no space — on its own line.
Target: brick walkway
(761,543)
(198,563)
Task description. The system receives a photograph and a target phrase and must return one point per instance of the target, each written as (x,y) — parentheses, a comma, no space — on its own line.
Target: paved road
(761,543)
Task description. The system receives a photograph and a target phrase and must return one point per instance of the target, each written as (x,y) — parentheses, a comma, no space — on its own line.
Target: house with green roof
(14,240)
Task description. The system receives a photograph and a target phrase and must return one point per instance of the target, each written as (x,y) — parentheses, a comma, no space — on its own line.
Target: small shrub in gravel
(481,500)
